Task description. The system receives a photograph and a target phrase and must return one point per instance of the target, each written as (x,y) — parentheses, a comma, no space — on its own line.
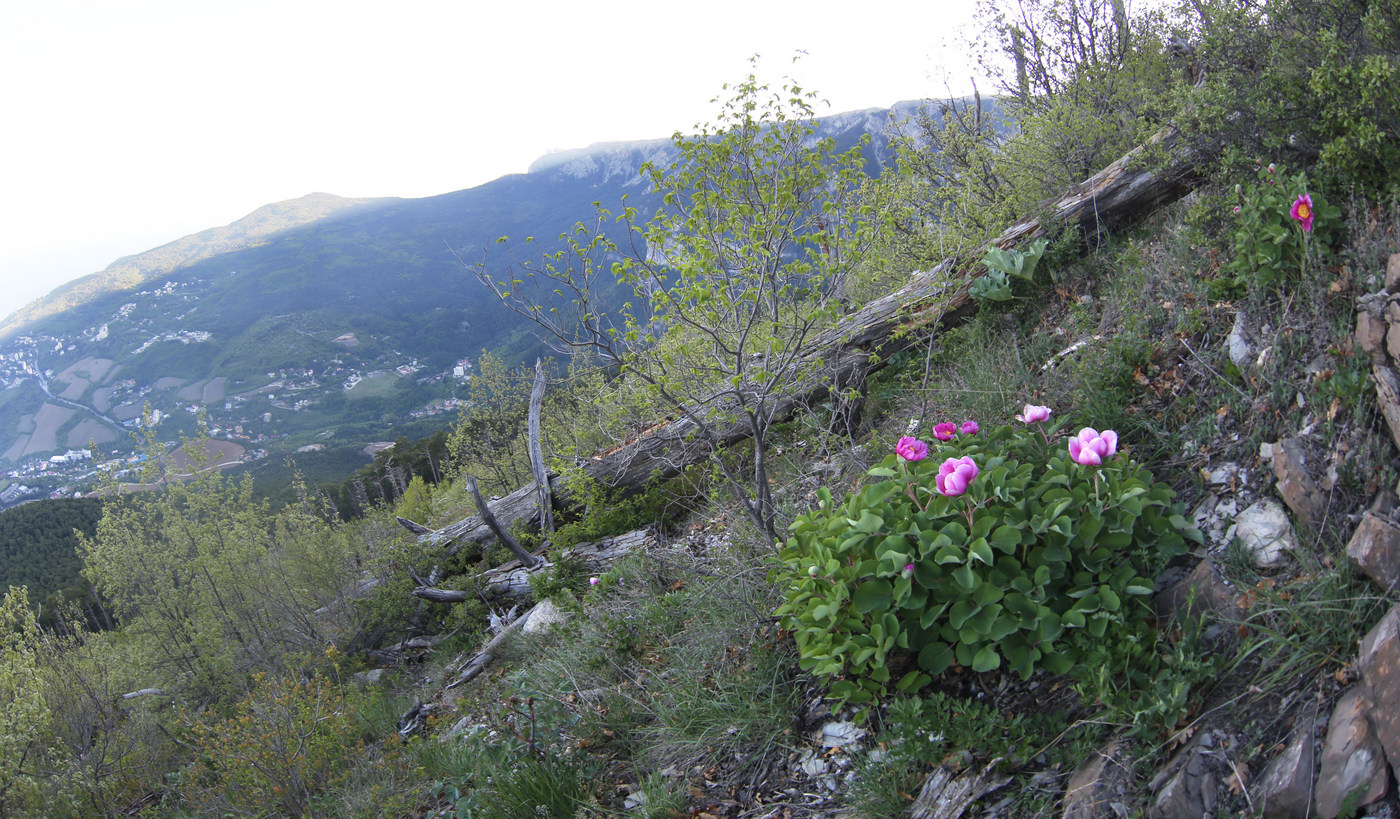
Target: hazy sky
(130,124)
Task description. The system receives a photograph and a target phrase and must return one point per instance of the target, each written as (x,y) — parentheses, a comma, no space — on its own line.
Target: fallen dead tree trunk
(932,301)
(510,582)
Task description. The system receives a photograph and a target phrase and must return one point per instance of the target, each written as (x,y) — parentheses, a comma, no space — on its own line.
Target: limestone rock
(1370,333)
(544,616)
(1374,548)
(1392,272)
(1352,759)
(1204,589)
(1266,532)
(371,677)
(1190,786)
(1237,345)
(1098,790)
(1388,396)
(1285,788)
(1379,663)
(1295,485)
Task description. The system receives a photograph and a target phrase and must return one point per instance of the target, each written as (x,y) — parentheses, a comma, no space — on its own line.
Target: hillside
(130,271)
(319,320)
(1053,472)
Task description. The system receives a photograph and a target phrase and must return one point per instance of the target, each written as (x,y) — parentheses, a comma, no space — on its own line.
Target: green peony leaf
(871,595)
(986,660)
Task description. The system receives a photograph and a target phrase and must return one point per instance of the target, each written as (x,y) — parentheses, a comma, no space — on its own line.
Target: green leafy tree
(1077,84)
(489,439)
(24,712)
(746,260)
(213,585)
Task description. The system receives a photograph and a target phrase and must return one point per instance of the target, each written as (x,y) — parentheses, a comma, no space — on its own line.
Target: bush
(920,570)
(287,742)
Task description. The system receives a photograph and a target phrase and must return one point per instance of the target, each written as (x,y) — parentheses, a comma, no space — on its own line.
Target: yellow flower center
(1303,210)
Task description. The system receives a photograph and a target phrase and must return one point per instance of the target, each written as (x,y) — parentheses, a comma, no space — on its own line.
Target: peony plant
(1007,549)
(1275,218)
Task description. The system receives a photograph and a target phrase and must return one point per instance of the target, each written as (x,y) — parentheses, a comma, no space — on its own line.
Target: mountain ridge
(338,328)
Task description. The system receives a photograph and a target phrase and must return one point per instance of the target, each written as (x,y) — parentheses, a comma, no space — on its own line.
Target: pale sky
(130,124)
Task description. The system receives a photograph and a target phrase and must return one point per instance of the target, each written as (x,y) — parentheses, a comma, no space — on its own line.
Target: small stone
(1295,485)
(1098,784)
(1370,333)
(1237,344)
(1392,272)
(371,677)
(838,734)
(1226,473)
(1374,549)
(1352,759)
(1266,452)
(812,764)
(1285,787)
(1264,529)
(1203,590)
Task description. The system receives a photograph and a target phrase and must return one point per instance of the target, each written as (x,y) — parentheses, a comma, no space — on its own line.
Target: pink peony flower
(1302,211)
(970,428)
(911,449)
(1090,446)
(945,431)
(955,475)
(1033,414)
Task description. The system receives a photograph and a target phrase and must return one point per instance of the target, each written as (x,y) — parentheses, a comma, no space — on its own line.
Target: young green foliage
(746,260)
(24,711)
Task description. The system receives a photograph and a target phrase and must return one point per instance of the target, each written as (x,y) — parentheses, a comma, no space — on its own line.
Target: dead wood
(537,451)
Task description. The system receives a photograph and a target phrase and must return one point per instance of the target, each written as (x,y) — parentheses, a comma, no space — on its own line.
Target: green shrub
(287,743)
(1038,548)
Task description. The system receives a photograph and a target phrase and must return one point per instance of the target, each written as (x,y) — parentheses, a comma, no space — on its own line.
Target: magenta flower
(970,428)
(945,431)
(1090,446)
(911,449)
(1302,212)
(1033,414)
(592,581)
(955,475)
(908,569)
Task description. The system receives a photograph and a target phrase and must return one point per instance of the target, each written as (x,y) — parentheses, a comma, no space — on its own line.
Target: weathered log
(484,510)
(440,595)
(415,528)
(537,451)
(483,658)
(510,582)
(929,303)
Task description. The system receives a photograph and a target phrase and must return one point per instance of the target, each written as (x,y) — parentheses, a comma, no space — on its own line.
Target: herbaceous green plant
(1277,219)
(992,548)
(994,284)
